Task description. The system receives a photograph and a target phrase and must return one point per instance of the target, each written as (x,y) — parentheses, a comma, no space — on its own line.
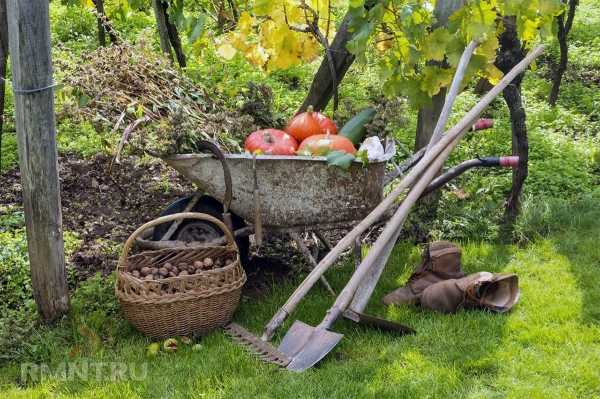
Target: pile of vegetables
(312,133)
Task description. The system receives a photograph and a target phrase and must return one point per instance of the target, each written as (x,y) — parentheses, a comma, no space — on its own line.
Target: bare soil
(104,205)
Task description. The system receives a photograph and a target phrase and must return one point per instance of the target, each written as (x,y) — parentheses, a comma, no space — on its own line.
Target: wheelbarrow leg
(324,240)
(357,252)
(313,263)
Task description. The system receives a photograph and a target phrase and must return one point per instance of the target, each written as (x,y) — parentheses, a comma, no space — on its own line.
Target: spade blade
(309,345)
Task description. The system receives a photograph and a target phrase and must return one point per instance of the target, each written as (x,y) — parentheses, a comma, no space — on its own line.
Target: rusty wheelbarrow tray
(296,192)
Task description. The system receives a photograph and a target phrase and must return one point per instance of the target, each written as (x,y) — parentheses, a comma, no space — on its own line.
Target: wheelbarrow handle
(486,162)
(216,151)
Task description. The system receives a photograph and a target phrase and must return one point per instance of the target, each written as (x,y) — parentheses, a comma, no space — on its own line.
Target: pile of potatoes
(182,269)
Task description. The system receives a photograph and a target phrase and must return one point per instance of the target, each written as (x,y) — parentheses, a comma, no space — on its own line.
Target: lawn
(547,347)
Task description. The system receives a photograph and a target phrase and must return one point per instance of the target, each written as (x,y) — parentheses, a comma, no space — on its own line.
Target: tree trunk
(564,26)
(100,13)
(174,38)
(520,147)
(511,53)
(30,49)
(562,64)
(162,27)
(3,61)
(103,26)
(427,118)
(321,89)
(428,115)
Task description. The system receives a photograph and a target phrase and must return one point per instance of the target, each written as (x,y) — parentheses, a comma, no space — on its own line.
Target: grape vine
(417,58)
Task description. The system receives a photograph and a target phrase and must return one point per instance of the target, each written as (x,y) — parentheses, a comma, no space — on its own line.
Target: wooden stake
(29,40)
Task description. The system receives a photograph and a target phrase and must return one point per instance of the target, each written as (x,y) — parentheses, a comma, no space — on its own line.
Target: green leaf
(434,46)
(358,44)
(198,28)
(434,78)
(363,157)
(340,158)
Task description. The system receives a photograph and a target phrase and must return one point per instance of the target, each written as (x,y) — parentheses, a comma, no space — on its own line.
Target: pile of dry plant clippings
(135,92)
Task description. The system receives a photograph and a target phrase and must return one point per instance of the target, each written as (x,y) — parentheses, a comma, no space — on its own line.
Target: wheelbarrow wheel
(201,231)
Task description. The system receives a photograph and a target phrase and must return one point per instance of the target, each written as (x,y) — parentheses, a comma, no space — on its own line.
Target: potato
(145,271)
(208,262)
(184,273)
(136,273)
(163,271)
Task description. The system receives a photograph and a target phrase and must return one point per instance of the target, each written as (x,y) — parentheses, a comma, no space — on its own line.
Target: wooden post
(29,41)
(3,59)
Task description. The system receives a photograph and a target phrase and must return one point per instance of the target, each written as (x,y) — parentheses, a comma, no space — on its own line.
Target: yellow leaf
(493,74)
(245,23)
(226,50)
(488,47)
(87,3)
(529,29)
(257,56)
(417,18)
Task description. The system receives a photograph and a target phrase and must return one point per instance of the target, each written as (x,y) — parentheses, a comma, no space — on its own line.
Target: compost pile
(135,93)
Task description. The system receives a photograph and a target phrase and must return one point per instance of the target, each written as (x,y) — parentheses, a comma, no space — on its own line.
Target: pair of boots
(440,284)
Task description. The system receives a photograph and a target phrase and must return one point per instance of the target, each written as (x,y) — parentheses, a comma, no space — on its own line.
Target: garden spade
(306,345)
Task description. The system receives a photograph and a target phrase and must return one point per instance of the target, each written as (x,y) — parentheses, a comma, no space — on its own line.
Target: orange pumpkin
(322,144)
(309,123)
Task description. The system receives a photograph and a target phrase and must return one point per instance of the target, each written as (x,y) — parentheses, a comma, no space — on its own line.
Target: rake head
(264,350)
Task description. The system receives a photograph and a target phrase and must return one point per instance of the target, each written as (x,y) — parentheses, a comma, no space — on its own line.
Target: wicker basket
(185,305)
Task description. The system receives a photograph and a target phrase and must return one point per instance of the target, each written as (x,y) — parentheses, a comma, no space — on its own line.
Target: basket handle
(169,218)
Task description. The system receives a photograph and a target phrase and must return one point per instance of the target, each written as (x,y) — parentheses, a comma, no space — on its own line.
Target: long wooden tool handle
(367,286)
(452,93)
(387,236)
(456,132)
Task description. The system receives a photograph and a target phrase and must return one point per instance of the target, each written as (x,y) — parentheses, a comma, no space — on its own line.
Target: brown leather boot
(440,261)
(492,291)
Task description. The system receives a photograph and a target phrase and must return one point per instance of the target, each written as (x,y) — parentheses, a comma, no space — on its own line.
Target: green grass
(547,347)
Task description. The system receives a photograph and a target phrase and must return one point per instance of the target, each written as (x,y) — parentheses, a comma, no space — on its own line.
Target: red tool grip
(509,162)
(483,123)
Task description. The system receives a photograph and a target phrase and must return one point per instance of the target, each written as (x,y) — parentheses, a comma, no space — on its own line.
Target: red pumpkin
(327,125)
(271,142)
(309,123)
(322,144)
